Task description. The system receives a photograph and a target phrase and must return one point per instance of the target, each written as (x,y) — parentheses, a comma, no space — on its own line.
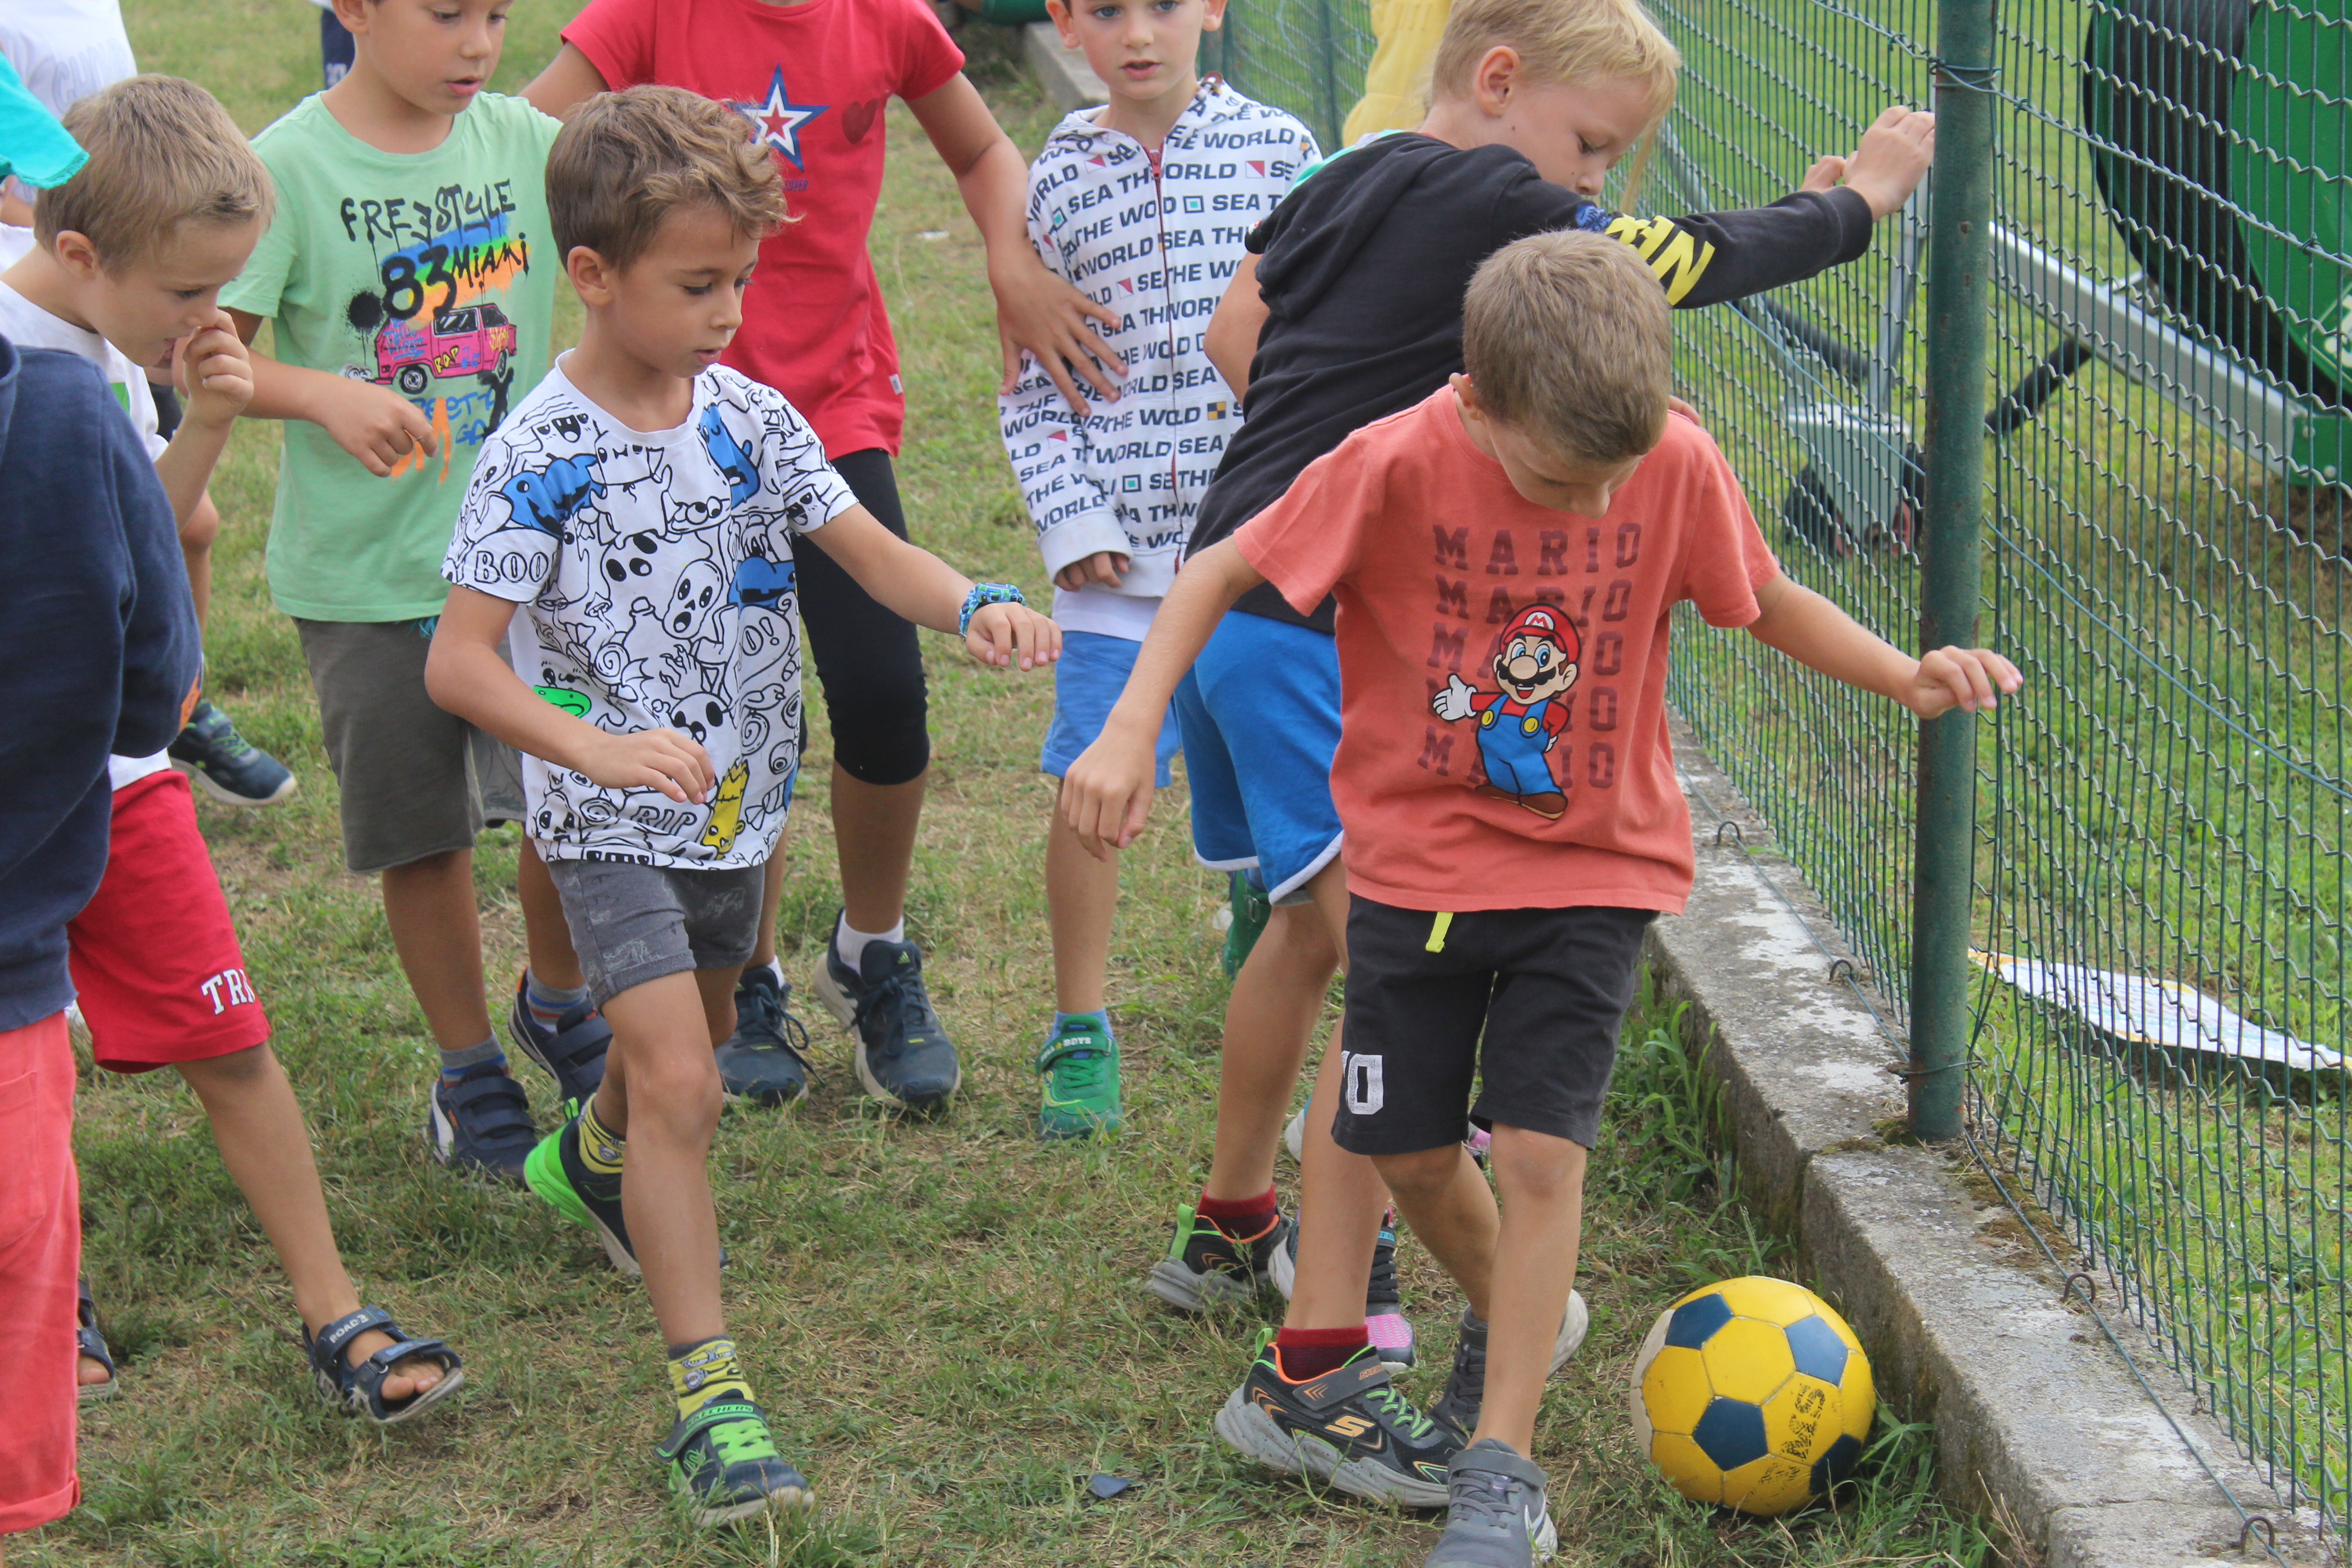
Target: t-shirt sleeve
(1725,558)
(812,494)
(927,56)
(617,37)
(498,549)
(1307,542)
(262,284)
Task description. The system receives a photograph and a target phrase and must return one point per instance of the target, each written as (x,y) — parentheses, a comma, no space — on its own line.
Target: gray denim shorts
(632,923)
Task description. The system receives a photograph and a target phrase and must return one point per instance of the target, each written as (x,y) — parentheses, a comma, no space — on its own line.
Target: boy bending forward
(1505,556)
(633,521)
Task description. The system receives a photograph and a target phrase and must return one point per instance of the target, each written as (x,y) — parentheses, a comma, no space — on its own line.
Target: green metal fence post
(1958,257)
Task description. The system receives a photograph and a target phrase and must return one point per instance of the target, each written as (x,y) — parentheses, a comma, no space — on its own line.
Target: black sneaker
(481,1122)
(1385,1323)
(1465,1386)
(1495,1512)
(556,1172)
(226,765)
(1349,1427)
(765,1061)
(1205,1268)
(903,1054)
(723,1465)
(572,1052)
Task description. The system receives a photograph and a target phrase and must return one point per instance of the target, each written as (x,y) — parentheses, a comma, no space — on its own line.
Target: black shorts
(1548,990)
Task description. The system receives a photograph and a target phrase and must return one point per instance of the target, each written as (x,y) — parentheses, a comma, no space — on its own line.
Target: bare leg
(1542,1182)
(544,931)
(1443,1196)
(197,550)
(1269,1020)
(772,901)
(437,931)
(661,1093)
(1081,895)
(265,1145)
(873,837)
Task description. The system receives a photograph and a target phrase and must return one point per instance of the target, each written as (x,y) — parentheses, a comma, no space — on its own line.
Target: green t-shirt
(432,273)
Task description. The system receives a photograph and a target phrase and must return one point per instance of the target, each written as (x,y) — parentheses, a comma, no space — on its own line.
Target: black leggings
(869,658)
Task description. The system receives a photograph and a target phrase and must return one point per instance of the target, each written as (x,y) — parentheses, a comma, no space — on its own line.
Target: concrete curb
(1065,75)
(2038,1423)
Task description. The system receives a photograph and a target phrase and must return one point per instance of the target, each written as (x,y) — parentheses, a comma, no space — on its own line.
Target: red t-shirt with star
(810,80)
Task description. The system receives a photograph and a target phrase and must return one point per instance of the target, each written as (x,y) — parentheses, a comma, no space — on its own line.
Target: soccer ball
(1752,1394)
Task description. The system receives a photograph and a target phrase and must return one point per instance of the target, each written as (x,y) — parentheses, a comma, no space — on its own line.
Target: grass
(945,1318)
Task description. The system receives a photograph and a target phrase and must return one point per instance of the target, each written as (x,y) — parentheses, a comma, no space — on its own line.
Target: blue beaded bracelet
(985,593)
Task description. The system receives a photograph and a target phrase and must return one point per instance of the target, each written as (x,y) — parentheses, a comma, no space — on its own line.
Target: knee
(202,525)
(676,1087)
(1302,936)
(1538,1167)
(238,1069)
(1421,1174)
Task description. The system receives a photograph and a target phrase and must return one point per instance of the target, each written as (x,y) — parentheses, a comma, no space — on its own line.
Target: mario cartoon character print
(1520,721)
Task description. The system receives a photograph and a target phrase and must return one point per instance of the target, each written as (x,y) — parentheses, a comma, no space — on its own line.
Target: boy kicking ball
(632,524)
(1511,815)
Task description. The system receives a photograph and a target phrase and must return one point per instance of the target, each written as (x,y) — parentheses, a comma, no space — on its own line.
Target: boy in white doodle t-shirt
(633,523)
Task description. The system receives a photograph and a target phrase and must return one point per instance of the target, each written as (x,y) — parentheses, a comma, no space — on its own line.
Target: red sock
(1302,1353)
(1242,1219)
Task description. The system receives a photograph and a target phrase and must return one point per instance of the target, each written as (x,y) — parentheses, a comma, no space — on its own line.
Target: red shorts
(40,1253)
(159,976)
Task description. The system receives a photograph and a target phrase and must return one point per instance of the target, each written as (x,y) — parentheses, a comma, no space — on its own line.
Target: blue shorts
(1088,679)
(1260,712)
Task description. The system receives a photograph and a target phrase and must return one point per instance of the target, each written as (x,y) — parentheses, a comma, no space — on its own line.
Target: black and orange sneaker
(1349,1427)
(1205,1268)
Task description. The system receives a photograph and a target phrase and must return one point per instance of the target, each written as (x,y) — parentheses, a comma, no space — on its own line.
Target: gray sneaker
(1465,1385)
(1495,1513)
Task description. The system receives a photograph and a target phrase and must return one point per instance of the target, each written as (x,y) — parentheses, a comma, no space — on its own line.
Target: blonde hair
(625,160)
(163,152)
(1577,41)
(1567,338)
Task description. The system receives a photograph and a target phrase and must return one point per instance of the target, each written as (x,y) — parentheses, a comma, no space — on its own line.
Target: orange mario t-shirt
(1503,666)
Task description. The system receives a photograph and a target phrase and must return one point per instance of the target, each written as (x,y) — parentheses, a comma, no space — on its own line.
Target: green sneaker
(723,1465)
(1080,1097)
(1249,909)
(555,1172)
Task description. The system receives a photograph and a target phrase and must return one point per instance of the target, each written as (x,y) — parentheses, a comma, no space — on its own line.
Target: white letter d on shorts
(1360,1081)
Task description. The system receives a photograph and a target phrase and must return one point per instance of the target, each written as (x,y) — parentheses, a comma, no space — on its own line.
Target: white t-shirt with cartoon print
(652,574)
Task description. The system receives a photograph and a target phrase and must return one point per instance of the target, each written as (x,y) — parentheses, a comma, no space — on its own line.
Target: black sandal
(90,1343)
(359,1390)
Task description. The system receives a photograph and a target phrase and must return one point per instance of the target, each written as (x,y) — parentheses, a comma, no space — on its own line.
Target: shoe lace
(744,1438)
(1383,1289)
(899,997)
(1077,1072)
(1465,1385)
(1485,1496)
(221,735)
(1403,1414)
(773,1009)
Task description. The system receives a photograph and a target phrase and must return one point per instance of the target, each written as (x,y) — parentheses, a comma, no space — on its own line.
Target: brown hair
(1563,41)
(624,161)
(163,152)
(1567,338)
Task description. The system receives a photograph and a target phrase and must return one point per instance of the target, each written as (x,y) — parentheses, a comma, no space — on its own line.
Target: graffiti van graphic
(468,341)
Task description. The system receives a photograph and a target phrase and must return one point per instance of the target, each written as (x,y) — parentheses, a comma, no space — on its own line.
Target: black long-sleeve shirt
(98,639)
(1363,267)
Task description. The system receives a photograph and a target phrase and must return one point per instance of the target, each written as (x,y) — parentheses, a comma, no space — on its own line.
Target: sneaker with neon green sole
(1080,1095)
(555,1171)
(723,1465)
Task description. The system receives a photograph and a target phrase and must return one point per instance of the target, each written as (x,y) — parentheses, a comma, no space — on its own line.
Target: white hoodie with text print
(1156,241)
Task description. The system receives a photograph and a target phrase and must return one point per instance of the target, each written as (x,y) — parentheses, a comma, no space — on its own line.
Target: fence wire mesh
(2161,854)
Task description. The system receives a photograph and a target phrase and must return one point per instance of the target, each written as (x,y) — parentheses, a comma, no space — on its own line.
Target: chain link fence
(2158,992)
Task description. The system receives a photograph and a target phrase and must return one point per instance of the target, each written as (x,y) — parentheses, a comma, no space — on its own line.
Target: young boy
(813,80)
(1509,794)
(409,285)
(131,256)
(633,526)
(1145,202)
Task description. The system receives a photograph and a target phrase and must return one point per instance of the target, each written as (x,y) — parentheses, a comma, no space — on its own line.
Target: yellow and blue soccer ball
(1754,1395)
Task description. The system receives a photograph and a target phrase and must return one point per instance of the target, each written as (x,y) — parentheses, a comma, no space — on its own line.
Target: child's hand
(1002,634)
(1102,567)
(1827,173)
(1106,793)
(1972,678)
(668,760)
(1043,315)
(376,424)
(213,373)
(1893,158)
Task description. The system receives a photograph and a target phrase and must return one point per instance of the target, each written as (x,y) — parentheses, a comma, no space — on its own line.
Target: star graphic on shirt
(776,121)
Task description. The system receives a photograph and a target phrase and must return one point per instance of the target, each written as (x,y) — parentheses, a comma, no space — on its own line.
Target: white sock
(851,945)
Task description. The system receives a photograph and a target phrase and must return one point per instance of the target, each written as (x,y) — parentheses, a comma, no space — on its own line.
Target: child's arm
(215,373)
(1232,338)
(373,423)
(916,585)
(1106,793)
(1047,442)
(465,676)
(1816,633)
(1035,310)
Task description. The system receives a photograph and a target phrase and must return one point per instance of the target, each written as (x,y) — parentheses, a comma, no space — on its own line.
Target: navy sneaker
(556,1172)
(765,1061)
(903,1054)
(481,1123)
(224,764)
(723,1465)
(572,1052)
